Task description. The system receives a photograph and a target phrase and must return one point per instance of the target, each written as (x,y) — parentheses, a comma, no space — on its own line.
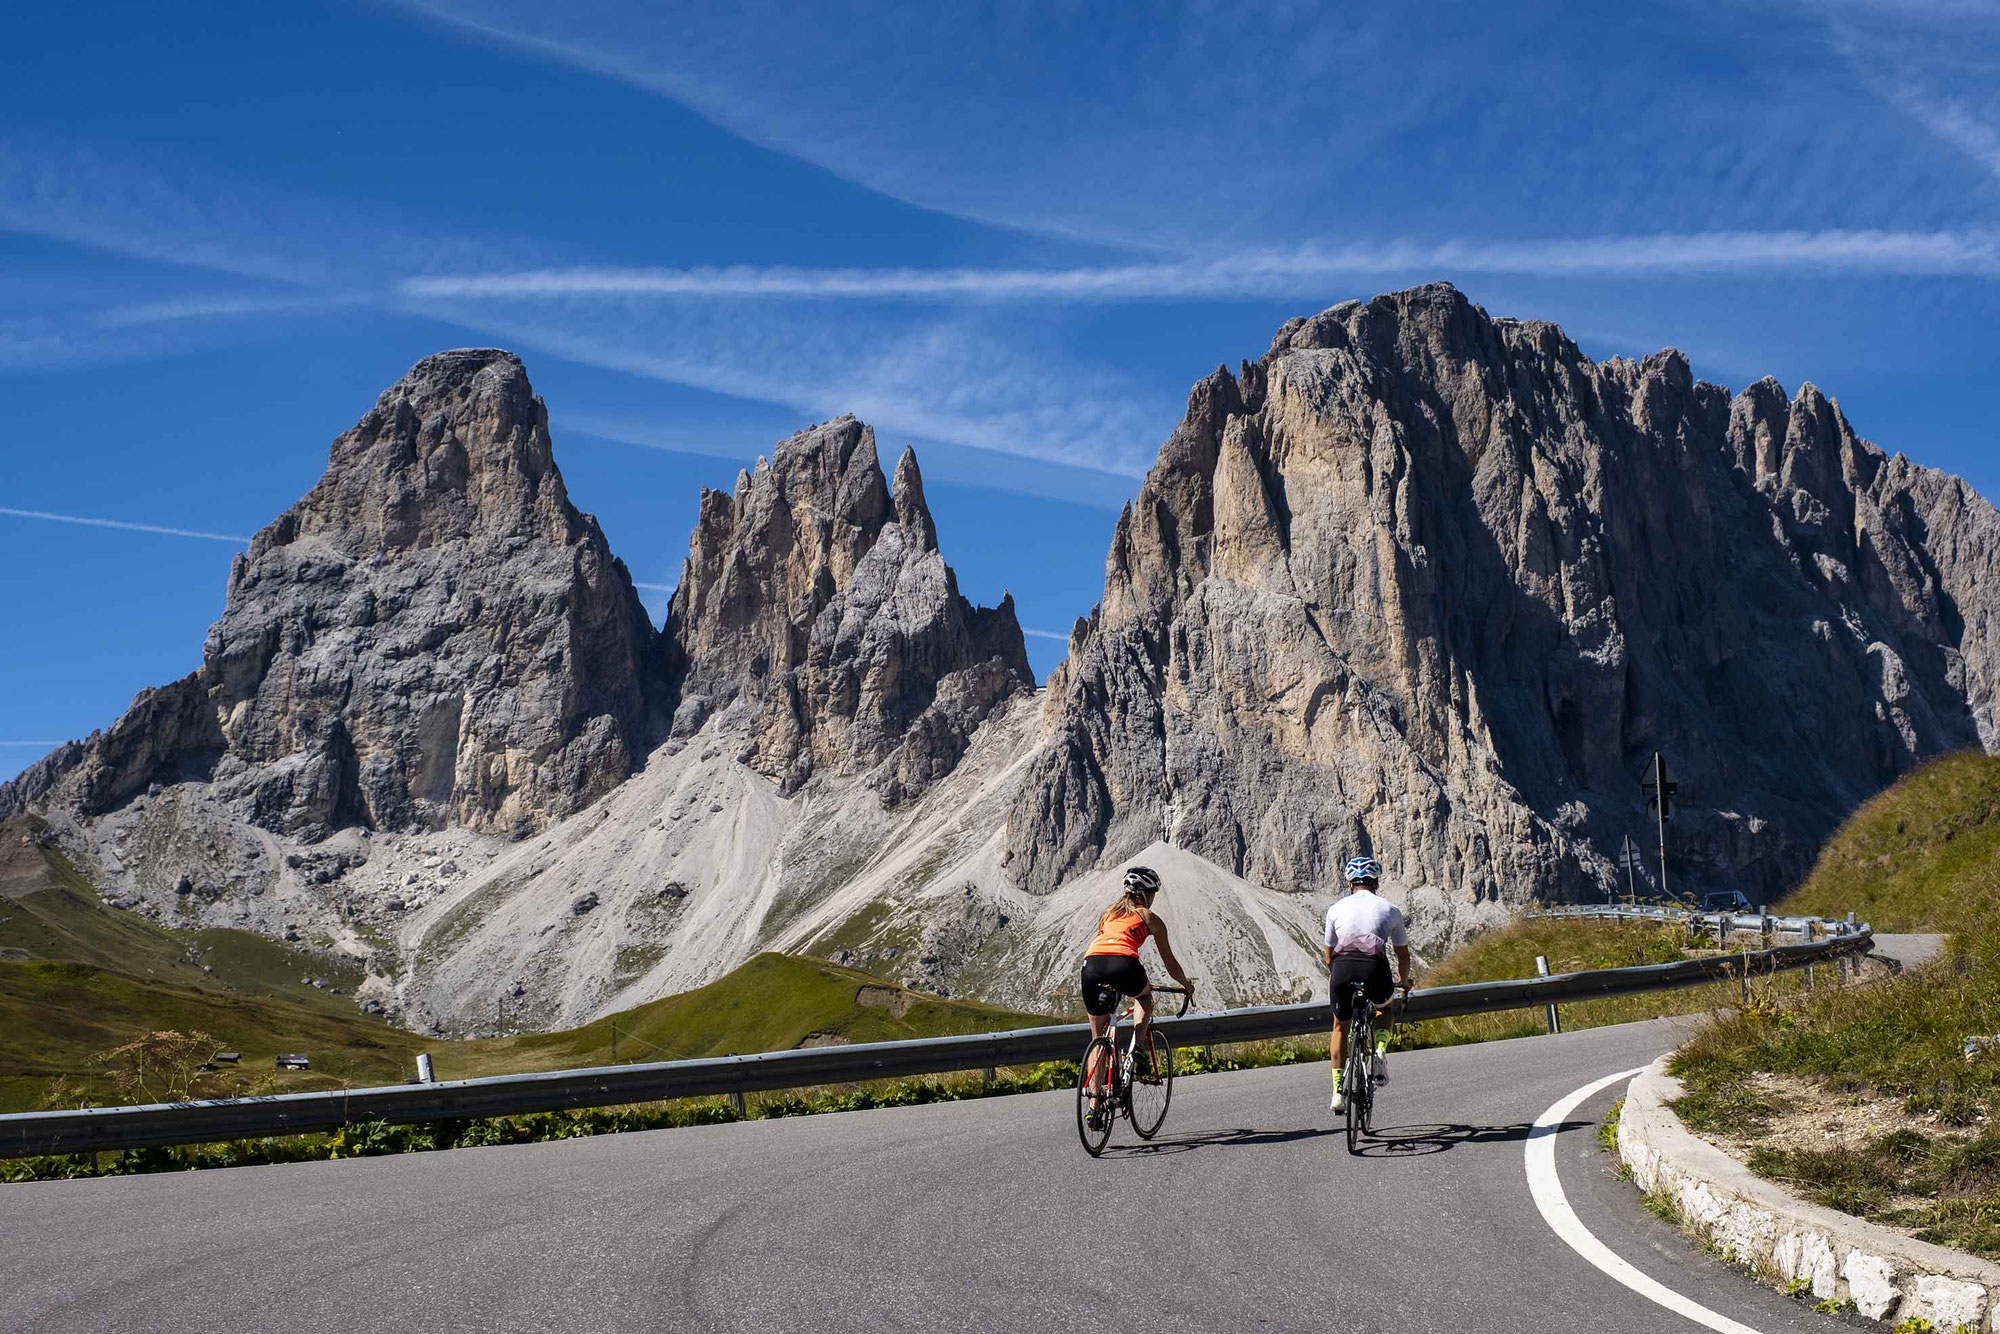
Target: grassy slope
(1918,857)
(96,977)
(1922,856)
(772,1003)
(49,911)
(54,1017)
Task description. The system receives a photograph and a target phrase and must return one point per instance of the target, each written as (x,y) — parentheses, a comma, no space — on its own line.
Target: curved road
(1248,1214)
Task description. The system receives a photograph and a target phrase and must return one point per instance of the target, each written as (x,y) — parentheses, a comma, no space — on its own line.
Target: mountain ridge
(1417,581)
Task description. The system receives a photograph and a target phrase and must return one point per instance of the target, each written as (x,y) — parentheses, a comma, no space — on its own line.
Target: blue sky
(1010,234)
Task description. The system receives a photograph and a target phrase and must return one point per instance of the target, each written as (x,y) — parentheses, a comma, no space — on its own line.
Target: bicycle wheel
(1152,1087)
(1354,1082)
(1093,1127)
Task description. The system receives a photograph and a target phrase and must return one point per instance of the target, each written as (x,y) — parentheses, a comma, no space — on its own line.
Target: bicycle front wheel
(1095,1106)
(1152,1086)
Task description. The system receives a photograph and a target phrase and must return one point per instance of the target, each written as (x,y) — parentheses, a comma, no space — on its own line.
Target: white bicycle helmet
(1362,868)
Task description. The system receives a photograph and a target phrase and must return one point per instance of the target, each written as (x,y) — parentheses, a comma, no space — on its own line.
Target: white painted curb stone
(1885,1274)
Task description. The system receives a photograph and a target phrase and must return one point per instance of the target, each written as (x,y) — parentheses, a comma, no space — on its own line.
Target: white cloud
(946,378)
(1199,123)
(1933,61)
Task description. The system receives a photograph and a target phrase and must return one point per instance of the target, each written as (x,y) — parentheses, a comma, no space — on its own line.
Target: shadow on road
(1386,1142)
(1420,1141)
(1209,1139)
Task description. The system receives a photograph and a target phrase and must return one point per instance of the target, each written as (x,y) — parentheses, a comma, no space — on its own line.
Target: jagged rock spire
(816,621)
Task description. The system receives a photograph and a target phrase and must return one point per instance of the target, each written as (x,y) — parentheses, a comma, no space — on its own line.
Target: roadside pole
(1542,970)
(1660,789)
(1629,858)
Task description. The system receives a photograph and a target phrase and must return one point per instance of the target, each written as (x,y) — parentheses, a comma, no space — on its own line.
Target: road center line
(1556,1212)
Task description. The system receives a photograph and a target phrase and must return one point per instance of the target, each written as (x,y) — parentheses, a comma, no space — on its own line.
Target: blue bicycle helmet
(1362,868)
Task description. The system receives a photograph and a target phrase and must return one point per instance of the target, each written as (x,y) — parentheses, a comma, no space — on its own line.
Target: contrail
(46,745)
(1973,252)
(120,523)
(1045,634)
(657,588)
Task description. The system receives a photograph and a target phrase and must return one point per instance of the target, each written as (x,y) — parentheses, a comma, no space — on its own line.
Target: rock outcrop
(1435,585)
(434,635)
(816,620)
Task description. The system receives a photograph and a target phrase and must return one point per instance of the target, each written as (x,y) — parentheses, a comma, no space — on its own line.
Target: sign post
(1629,858)
(1660,792)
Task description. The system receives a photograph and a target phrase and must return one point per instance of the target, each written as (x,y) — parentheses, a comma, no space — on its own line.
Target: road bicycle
(1357,1080)
(1137,1085)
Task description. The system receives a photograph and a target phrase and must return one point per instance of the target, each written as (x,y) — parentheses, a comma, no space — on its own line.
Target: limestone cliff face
(817,621)
(1435,585)
(433,635)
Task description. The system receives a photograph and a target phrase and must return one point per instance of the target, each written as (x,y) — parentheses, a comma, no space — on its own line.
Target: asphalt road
(1247,1214)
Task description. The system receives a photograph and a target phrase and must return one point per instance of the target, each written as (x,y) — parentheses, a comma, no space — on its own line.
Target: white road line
(1556,1212)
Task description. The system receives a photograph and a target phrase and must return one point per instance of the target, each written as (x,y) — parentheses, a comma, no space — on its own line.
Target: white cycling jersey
(1365,925)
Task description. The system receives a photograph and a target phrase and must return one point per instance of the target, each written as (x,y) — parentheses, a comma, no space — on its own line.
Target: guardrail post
(736,1103)
(1542,970)
(989,1076)
(1744,977)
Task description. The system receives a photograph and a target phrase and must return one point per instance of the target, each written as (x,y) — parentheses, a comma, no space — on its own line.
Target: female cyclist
(1111,967)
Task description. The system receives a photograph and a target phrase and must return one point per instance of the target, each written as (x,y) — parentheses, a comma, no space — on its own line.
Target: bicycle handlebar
(1186,995)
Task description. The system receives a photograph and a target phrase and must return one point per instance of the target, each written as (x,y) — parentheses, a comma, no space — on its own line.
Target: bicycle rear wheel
(1354,1082)
(1093,1126)
(1152,1086)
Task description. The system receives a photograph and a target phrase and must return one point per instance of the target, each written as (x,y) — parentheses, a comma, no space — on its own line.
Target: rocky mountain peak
(432,635)
(816,620)
(1434,585)
(458,448)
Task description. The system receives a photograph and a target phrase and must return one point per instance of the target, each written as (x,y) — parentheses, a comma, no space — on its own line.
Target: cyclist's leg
(1142,1004)
(1099,1068)
(1341,974)
(1101,1003)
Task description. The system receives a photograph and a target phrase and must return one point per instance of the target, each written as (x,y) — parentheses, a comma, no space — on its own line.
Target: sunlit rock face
(1435,585)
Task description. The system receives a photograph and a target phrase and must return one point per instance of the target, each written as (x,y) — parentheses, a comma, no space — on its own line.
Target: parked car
(1728,900)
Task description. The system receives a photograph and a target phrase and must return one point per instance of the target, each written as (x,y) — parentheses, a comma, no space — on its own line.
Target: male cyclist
(1360,930)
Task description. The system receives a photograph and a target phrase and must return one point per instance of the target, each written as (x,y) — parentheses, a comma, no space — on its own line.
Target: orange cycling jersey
(1123,934)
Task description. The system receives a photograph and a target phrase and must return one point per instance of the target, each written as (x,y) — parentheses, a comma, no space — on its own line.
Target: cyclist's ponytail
(1131,901)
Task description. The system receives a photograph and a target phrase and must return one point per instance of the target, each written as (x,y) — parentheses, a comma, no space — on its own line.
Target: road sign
(1659,781)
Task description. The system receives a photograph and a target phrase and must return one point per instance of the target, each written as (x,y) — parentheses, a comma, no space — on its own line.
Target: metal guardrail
(93,1129)
(1811,928)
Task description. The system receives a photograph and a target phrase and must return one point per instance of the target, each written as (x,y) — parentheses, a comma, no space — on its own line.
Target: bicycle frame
(1123,1030)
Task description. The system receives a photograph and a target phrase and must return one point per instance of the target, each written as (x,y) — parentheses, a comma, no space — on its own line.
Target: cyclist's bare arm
(1403,973)
(1174,969)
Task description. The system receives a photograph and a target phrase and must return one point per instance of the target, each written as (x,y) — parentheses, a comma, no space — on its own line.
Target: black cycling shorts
(1370,969)
(1108,978)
